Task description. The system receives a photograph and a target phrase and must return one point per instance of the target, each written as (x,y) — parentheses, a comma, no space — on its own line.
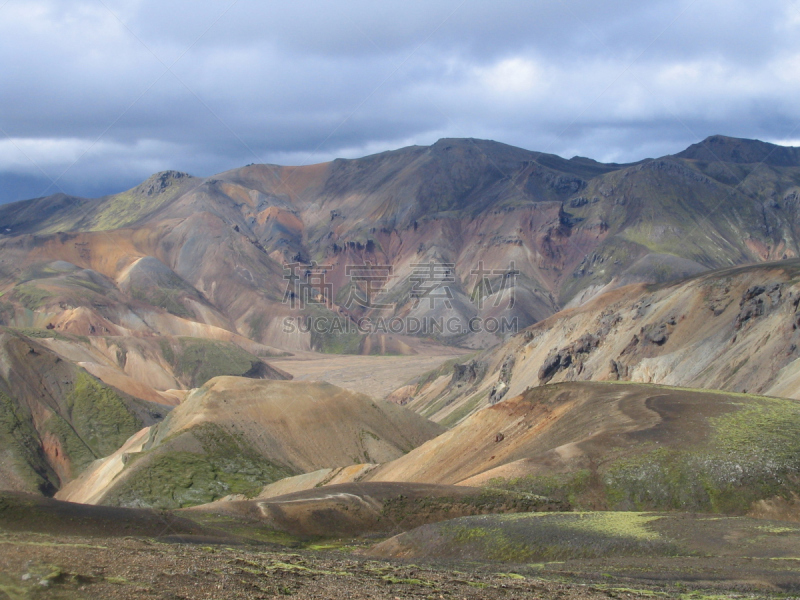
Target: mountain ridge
(572,228)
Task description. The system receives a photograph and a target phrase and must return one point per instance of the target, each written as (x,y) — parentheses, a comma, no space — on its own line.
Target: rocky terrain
(61,550)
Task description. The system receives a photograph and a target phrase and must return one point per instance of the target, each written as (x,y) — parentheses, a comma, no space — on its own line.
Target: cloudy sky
(95,95)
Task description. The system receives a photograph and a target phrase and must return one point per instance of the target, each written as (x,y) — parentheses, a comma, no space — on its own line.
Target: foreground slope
(621,446)
(733,329)
(62,550)
(365,508)
(583,537)
(235,435)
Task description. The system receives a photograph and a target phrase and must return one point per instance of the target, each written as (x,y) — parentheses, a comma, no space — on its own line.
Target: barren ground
(37,566)
(376,376)
(59,567)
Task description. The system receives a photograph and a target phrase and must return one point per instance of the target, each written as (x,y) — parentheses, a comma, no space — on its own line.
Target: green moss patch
(562,487)
(99,415)
(753,453)
(21,449)
(520,538)
(30,296)
(197,360)
(42,334)
(168,477)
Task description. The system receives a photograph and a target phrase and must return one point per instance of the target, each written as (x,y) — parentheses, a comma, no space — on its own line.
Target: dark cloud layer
(98,94)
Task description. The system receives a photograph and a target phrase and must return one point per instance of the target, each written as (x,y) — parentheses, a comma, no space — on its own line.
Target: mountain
(731,329)
(719,148)
(185,256)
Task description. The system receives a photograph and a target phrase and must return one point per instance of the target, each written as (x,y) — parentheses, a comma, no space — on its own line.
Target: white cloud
(310,80)
(51,157)
(517,75)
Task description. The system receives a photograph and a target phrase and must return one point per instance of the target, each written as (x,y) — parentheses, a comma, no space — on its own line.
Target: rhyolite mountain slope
(621,446)
(180,255)
(733,329)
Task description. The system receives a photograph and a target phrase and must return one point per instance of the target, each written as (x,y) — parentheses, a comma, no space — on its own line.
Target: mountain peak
(720,148)
(160,182)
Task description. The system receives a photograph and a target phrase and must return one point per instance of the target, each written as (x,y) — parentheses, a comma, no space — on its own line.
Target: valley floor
(376,376)
(61,567)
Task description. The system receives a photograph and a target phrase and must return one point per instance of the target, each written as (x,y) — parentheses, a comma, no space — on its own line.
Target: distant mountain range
(180,255)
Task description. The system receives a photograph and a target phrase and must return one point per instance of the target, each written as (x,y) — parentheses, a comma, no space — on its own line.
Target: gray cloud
(86,97)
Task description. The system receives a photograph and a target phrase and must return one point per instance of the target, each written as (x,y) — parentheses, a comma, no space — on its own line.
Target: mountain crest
(720,148)
(160,182)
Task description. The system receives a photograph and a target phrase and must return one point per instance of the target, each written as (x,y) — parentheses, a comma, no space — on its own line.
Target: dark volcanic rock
(573,354)
(756,301)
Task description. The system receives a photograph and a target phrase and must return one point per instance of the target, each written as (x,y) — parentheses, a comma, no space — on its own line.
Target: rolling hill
(606,446)
(621,446)
(364,508)
(235,435)
(56,418)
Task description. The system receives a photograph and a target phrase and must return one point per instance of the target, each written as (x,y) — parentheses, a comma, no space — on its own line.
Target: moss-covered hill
(236,435)
(549,538)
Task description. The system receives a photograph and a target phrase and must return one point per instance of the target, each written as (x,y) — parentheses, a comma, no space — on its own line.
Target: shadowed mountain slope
(56,418)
